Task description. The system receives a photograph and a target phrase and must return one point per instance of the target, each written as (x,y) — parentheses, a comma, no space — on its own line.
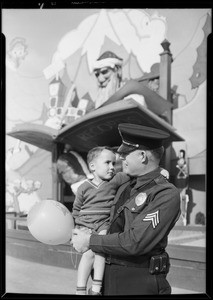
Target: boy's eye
(110,162)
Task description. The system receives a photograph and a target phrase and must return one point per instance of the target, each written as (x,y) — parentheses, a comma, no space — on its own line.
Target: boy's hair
(95,152)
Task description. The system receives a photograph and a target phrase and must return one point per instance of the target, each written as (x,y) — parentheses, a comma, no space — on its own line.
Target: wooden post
(54,173)
(57,185)
(165,89)
(16,203)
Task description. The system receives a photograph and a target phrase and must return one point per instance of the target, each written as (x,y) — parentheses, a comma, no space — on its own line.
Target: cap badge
(130,144)
(140,199)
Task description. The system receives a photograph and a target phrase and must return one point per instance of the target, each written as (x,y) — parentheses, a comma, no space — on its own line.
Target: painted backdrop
(43,43)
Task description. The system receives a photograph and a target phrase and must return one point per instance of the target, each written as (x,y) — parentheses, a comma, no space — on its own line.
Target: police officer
(144,212)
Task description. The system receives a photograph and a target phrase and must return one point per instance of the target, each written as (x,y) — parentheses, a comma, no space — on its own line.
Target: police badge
(140,199)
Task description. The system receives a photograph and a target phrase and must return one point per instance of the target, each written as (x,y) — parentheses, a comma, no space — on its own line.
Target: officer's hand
(80,240)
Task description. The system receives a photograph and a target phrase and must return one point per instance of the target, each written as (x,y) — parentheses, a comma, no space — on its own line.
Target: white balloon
(50,222)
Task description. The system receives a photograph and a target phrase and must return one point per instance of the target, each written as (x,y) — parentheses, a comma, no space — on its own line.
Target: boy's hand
(80,240)
(165,173)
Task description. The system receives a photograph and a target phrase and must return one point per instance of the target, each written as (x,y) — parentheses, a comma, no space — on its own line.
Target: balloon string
(76,257)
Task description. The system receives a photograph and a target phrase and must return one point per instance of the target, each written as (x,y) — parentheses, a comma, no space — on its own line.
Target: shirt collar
(144,179)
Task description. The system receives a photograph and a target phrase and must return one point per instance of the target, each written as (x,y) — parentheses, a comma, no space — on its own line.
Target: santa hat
(107,59)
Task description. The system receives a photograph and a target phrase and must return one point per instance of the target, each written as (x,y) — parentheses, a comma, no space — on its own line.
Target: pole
(165,89)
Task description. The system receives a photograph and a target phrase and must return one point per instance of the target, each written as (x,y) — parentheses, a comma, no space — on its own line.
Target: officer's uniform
(144,211)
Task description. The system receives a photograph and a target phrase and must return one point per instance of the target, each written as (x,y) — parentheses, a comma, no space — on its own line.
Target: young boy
(91,211)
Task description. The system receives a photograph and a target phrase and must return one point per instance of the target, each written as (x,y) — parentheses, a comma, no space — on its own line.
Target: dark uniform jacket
(149,216)
(141,219)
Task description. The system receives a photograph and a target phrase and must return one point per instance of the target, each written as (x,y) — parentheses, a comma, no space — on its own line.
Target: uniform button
(133,208)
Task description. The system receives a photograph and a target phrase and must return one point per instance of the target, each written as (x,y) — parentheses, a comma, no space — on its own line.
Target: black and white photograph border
(51,98)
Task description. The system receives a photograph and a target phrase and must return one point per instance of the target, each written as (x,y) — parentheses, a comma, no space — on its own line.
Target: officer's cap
(140,137)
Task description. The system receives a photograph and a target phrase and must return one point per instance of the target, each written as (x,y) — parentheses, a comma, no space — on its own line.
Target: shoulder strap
(118,201)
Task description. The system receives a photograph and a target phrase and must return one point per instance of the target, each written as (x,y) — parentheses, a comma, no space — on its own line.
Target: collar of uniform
(144,179)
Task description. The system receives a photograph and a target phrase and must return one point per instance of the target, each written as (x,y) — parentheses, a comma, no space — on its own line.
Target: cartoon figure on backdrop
(20,193)
(181,165)
(23,195)
(29,195)
(10,152)
(72,168)
(182,184)
(16,53)
(65,106)
(13,189)
(58,102)
(108,71)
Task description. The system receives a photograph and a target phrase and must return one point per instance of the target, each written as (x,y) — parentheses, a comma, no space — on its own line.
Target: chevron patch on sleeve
(153,217)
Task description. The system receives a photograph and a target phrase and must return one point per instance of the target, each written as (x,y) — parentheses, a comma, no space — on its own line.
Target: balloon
(50,222)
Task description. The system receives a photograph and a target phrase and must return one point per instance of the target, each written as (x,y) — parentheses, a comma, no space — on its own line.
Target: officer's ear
(143,156)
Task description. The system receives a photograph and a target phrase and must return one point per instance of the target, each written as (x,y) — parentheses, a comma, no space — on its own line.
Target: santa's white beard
(104,93)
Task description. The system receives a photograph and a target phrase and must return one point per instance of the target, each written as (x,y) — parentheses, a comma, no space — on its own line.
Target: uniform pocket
(133,208)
